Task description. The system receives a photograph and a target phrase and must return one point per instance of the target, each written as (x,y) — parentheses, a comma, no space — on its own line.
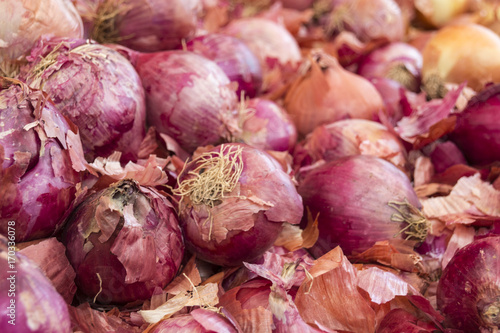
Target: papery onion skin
(37,178)
(399,320)
(233,57)
(397,61)
(446,154)
(350,137)
(199,321)
(25,21)
(267,126)
(477,130)
(97,89)
(142,25)
(245,221)
(352,196)
(463,52)
(188,97)
(328,93)
(29,302)
(126,236)
(468,292)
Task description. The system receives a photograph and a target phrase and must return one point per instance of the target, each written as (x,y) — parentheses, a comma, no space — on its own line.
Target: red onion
(399,320)
(39,162)
(234,58)
(47,254)
(29,302)
(188,98)
(350,137)
(95,87)
(199,321)
(142,25)
(445,155)
(123,241)
(468,292)
(234,200)
(370,20)
(360,200)
(477,131)
(267,126)
(328,92)
(398,61)
(25,21)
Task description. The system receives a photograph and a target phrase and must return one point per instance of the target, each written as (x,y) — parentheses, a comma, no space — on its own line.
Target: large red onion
(38,162)
(124,242)
(360,200)
(29,303)
(95,87)
(328,92)
(233,57)
(188,98)
(142,25)
(350,137)
(468,292)
(398,61)
(477,131)
(266,125)
(25,21)
(233,202)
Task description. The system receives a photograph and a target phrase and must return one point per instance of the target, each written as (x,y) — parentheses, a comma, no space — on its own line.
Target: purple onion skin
(37,180)
(144,249)
(445,155)
(97,89)
(197,321)
(29,303)
(233,57)
(477,131)
(261,179)
(267,126)
(188,97)
(351,196)
(399,320)
(470,286)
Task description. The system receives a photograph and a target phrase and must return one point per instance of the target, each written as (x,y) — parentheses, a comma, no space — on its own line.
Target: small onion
(95,87)
(477,131)
(360,200)
(234,201)
(188,98)
(350,137)
(468,293)
(29,303)
(142,25)
(25,21)
(446,154)
(38,176)
(267,126)
(123,242)
(463,52)
(233,57)
(398,61)
(328,92)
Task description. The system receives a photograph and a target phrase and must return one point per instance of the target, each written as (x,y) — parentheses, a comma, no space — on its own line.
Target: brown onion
(328,92)
(463,52)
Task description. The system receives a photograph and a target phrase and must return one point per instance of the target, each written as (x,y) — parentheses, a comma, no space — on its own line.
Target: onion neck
(417,225)
(490,312)
(433,86)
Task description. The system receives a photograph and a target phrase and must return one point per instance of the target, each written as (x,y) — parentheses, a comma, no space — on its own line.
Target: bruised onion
(477,130)
(29,302)
(468,292)
(398,61)
(234,200)
(463,52)
(350,137)
(328,92)
(123,241)
(25,21)
(142,25)
(360,200)
(95,87)
(233,57)
(188,98)
(39,162)
(266,125)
